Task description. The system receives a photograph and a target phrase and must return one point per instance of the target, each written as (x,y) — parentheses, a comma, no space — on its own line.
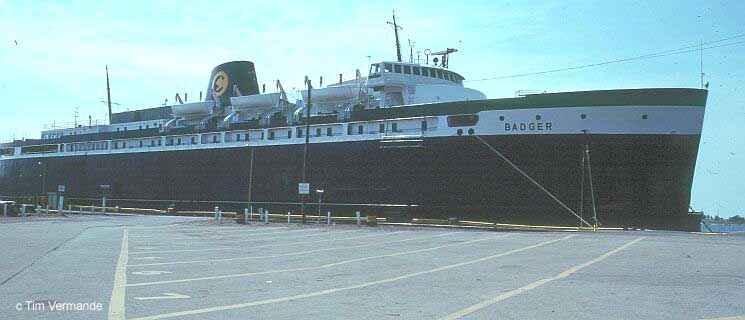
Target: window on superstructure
(271,135)
(178,141)
(299,132)
(160,142)
(417,71)
(140,144)
(147,126)
(360,129)
(394,127)
(397,68)
(140,128)
(374,68)
(381,128)
(193,140)
(318,132)
(329,132)
(388,67)
(407,69)
(289,134)
(424,125)
(152,143)
(214,139)
(438,72)
(349,129)
(124,144)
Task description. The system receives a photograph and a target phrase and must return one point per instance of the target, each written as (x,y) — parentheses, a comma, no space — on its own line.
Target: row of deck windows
(418,71)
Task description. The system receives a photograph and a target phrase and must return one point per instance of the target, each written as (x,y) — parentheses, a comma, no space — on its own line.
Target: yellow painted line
(273,245)
(340,289)
(323,266)
(116,304)
(486,303)
(291,253)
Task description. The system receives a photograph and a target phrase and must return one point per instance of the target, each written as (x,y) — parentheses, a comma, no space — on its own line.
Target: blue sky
(157,49)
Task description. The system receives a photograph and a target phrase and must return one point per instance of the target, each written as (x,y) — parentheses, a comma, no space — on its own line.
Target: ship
(408,140)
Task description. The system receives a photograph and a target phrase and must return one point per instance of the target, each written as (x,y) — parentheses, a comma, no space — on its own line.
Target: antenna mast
(108,92)
(396,27)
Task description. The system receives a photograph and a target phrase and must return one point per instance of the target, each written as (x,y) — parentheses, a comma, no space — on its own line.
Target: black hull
(639,180)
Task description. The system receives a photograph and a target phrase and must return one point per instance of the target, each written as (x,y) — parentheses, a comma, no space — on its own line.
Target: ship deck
(150,267)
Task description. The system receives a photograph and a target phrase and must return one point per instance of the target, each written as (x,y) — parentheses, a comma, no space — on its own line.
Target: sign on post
(61,188)
(303,188)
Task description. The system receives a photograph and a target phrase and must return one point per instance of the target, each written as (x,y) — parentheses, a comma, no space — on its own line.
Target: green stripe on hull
(621,97)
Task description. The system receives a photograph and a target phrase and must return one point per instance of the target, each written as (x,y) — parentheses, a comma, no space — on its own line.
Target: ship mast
(108,92)
(396,27)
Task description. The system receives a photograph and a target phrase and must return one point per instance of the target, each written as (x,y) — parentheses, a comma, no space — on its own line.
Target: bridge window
(407,69)
(388,67)
(438,72)
(397,68)
(374,68)
(417,71)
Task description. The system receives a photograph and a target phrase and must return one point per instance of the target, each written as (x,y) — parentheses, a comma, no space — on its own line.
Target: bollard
(328,218)
(245,216)
(69,210)
(219,216)
(5,210)
(288,217)
(266,216)
(357,213)
(261,214)
(216,210)
(103,202)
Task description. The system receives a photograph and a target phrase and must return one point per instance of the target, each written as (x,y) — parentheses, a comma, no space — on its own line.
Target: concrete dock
(153,267)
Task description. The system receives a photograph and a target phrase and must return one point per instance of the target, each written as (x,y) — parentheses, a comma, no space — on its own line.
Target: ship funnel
(230,75)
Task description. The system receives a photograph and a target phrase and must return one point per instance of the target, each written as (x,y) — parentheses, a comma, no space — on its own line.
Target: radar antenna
(396,27)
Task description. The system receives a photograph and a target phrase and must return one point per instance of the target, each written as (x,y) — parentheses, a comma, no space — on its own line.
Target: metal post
(47,207)
(582,191)
(305,147)
(61,205)
(592,190)
(216,210)
(245,216)
(81,210)
(252,214)
(357,213)
(23,210)
(288,217)
(103,203)
(5,209)
(261,214)
(93,209)
(69,210)
(328,217)
(219,216)
(266,216)
(250,178)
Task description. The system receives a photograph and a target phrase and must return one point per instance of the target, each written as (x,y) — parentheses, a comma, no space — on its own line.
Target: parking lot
(142,267)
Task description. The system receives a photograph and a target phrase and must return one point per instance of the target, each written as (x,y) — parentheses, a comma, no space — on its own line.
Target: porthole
(538,117)
(471,131)
(583,116)
(644,116)
(460,132)
(501,118)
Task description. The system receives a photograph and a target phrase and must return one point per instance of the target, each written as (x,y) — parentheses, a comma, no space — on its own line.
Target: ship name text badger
(529,126)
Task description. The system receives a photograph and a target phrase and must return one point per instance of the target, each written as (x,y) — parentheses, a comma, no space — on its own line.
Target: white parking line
(340,289)
(486,303)
(291,253)
(271,245)
(323,266)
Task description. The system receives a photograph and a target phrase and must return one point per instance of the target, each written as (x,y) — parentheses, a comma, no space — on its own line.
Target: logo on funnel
(220,83)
